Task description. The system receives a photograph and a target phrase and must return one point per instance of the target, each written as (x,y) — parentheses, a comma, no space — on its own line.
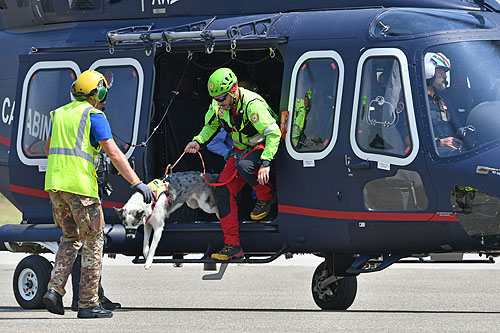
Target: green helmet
(221,81)
(309,95)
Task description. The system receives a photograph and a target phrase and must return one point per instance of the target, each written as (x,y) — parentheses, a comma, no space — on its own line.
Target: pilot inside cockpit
(448,134)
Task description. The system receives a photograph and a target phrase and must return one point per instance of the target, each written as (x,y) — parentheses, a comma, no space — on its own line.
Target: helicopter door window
(313,120)
(383,121)
(403,191)
(382,124)
(47,89)
(124,83)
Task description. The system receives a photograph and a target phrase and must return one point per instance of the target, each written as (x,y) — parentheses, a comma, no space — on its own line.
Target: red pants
(226,195)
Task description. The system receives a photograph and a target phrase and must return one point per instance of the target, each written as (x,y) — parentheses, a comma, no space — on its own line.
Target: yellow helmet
(90,84)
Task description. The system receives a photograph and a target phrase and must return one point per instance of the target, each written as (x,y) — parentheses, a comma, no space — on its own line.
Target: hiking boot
(107,304)
(53,302)
(262,209)
(228,252)
(95,312)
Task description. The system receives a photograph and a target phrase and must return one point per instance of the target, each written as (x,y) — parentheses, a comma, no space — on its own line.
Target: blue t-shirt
(99,129)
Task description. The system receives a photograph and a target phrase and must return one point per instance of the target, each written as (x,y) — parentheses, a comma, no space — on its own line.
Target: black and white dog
(181,187)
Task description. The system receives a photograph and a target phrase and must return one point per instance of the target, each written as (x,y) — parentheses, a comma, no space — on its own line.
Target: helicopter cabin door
(310,166)
(386,172)
(44,82)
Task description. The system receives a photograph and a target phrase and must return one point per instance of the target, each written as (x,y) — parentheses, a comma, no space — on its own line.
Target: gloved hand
(145,190)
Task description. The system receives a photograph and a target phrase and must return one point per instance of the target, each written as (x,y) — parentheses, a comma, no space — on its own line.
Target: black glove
(145,190)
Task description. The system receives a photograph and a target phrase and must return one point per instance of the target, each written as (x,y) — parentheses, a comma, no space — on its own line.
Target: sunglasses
(221,99)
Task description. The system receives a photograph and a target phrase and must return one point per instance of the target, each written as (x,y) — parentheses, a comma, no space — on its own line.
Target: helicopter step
(209,264)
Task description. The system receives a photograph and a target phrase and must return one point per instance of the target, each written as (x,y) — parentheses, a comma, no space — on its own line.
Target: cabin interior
(255,69)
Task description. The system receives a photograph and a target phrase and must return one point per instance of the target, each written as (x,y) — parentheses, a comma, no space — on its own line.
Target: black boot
(107,304)
(53,302)
(95,312)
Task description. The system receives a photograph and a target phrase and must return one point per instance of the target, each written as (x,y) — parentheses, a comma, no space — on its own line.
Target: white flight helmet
(435,60)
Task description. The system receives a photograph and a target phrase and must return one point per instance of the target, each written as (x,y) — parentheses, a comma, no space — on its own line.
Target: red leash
(218,184)
(169,167)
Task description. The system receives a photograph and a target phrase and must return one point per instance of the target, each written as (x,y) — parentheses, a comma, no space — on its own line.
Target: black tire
(30,281)
(339,295)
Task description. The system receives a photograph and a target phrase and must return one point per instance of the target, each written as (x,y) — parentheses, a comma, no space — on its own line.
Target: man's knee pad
(246,169)
(223,200)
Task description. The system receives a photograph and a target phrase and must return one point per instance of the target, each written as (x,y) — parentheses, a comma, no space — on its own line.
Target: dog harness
(159,187)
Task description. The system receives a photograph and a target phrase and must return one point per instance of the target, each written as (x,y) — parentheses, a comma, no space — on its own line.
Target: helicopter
(365,185)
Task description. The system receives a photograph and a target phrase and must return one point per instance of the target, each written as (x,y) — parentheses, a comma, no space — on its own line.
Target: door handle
(359,165)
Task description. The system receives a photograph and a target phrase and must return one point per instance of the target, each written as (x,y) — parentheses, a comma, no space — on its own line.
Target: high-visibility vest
(70,164)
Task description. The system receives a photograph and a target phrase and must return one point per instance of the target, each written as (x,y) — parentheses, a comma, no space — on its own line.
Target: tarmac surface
(272,298)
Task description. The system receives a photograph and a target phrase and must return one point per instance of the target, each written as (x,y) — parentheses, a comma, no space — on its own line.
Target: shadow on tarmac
(14,309)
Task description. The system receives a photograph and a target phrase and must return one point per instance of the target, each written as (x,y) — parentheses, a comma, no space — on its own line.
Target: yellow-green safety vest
(70,164)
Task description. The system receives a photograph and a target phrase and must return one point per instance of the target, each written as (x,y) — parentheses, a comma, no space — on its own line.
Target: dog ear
(119,211)
(139,214)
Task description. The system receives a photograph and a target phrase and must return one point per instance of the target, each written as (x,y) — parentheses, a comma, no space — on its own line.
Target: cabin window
(477,212)
(382,122)
(313,119)
(121,101)
(313,112)
(47,90)
(410,22)
(403,191)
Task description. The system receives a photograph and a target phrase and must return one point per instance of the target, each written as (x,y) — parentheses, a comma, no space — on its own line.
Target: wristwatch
(265,163)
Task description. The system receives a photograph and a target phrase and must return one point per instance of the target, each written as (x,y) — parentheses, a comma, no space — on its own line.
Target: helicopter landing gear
(331,292)
(30,281)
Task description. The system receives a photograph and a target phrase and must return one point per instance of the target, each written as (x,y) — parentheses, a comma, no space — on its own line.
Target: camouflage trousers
(82,223)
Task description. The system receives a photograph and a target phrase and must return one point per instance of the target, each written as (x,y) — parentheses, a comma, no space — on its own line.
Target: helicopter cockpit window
(382,122)
(123,84)
(47,90)
(313,113)
(463,96)
(406,22)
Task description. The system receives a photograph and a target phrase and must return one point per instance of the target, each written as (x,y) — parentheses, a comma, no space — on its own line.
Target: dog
(181,187)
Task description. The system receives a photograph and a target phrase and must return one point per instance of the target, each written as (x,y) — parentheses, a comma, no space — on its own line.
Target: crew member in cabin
(79,131)
(302,108)
(256,136)
(444,122)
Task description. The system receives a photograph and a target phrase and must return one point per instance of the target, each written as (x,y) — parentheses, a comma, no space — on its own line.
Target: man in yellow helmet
(79,130)
(256,137)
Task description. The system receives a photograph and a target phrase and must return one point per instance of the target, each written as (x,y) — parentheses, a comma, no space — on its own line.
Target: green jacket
(254,124)
(299,120)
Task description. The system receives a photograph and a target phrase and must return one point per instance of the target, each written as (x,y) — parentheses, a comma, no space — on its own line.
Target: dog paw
(147,266)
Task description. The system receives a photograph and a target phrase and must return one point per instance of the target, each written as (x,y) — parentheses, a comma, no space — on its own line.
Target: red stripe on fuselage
(4,141)
(43,194)
(29,191)
(366,216)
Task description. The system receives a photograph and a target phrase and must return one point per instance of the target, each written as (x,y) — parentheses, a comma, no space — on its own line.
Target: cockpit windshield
(463,90)
(411,22)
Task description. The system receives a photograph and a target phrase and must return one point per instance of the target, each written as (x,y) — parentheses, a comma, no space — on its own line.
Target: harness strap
(159,187)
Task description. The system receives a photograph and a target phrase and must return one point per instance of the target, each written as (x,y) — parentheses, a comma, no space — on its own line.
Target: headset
(98,94)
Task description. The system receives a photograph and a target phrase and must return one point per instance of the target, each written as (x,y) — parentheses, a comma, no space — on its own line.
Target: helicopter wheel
(338,295)
(30,281)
